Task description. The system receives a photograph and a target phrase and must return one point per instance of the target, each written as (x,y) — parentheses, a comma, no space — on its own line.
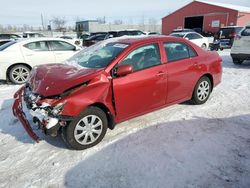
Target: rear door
(62,50)
(36,53)
(182,66)
(145,88)
(242,42)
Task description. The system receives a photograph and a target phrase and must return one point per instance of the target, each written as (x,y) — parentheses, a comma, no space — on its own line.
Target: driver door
(144,89)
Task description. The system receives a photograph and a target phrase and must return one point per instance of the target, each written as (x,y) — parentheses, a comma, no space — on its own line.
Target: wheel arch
(10,67)
(210,78)
(105,109)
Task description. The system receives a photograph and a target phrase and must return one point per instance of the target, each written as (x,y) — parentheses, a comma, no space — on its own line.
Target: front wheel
(87,130)
(202,91)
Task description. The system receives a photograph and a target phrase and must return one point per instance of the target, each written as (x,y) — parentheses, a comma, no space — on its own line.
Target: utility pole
(42,22)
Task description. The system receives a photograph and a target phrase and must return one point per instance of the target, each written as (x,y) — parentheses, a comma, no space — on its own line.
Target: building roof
(225,5)
(84,21)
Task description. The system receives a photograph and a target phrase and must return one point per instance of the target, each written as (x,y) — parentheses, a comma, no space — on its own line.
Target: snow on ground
(179,146)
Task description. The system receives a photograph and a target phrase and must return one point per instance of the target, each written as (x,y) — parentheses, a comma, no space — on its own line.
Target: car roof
(140,39)
(184,33)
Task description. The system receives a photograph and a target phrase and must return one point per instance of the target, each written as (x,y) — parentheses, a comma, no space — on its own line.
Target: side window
(61,46)
(37,46)
(196,36)
(177,51)
(246,32)
(143,57)
(189,36)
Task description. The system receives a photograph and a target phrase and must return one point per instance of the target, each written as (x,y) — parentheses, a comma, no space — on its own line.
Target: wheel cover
(20,74)
(88,129)
(203,46)
(203,90)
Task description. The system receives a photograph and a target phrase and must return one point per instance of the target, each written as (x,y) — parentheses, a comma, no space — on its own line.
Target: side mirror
(187,38)
(124,70)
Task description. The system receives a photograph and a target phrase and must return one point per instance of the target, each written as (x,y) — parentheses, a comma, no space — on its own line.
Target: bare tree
(101,20)
(152,24)
(118,22)
(59,23)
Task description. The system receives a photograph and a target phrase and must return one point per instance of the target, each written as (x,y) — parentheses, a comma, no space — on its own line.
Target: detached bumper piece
(18,112)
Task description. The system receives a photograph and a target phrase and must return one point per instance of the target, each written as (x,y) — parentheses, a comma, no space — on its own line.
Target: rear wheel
(204,46)
(87,130)
(202,91)
(19,74)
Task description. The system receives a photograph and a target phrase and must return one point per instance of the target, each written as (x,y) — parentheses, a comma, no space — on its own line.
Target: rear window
(6,45)
(226,32)
(246,32)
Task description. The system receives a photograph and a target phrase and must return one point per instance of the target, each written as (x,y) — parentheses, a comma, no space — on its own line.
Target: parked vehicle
(110,34)
(152,33)
(182,30)
(31,34)
(241,46)
(84,36)
(9,36)
(226,35)
(93,39)
(76,41)
(194,37)
(113,81)
(129,32)
(4,41)
(18,57)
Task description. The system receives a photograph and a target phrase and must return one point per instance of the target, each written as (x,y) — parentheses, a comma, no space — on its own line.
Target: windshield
(99,55)
(6,45)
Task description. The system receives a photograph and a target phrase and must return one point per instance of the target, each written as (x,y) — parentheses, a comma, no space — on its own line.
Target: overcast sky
(19,12)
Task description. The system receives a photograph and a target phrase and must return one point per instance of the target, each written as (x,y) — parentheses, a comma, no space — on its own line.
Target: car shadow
(199,152)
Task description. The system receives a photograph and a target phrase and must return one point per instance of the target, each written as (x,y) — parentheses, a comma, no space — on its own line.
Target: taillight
(232,35)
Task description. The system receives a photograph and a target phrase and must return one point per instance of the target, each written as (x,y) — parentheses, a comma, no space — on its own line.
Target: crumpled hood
(53,79)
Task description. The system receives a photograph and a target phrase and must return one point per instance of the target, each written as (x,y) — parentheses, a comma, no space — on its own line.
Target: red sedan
(113,81)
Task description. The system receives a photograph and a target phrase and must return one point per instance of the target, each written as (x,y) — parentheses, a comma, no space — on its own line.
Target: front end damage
(45,115)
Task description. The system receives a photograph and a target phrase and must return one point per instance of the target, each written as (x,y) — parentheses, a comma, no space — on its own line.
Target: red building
(208,16)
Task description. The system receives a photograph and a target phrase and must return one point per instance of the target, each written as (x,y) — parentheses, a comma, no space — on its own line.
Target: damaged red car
(113,81)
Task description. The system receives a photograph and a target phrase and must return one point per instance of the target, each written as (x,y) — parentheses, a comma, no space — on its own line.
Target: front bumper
(41,115)
(18,112)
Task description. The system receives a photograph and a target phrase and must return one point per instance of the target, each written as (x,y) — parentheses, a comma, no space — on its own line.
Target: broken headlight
(58,108)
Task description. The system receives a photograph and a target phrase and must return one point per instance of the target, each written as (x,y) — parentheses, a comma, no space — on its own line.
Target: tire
(77,135)
(204,46)
(237,61)
(202,91)
(19,74)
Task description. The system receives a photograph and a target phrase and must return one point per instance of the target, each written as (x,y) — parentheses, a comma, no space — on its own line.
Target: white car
(18,57)
(241,47)
(194,37)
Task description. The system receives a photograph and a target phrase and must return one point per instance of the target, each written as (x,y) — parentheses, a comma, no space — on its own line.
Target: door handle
(160,74)
(29,55)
